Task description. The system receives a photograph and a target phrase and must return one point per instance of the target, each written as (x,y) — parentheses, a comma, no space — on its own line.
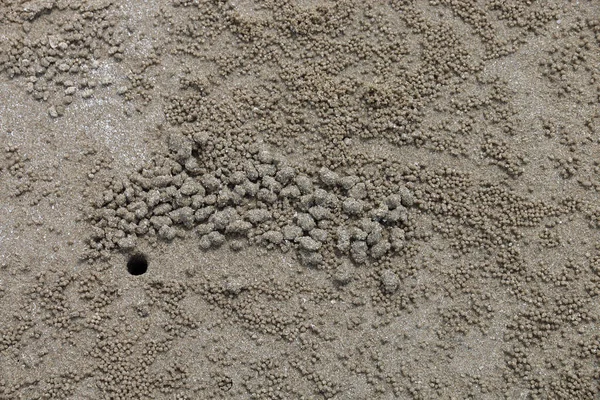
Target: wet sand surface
(270,199)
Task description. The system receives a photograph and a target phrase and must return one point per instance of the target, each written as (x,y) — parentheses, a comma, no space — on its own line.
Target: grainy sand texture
(311,199)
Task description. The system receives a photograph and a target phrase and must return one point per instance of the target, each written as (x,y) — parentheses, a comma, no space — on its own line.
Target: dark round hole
(137,264)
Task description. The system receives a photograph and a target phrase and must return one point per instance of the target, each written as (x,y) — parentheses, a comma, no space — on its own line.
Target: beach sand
(272,199)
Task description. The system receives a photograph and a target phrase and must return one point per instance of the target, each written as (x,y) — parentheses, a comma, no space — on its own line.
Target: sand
(269,199)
